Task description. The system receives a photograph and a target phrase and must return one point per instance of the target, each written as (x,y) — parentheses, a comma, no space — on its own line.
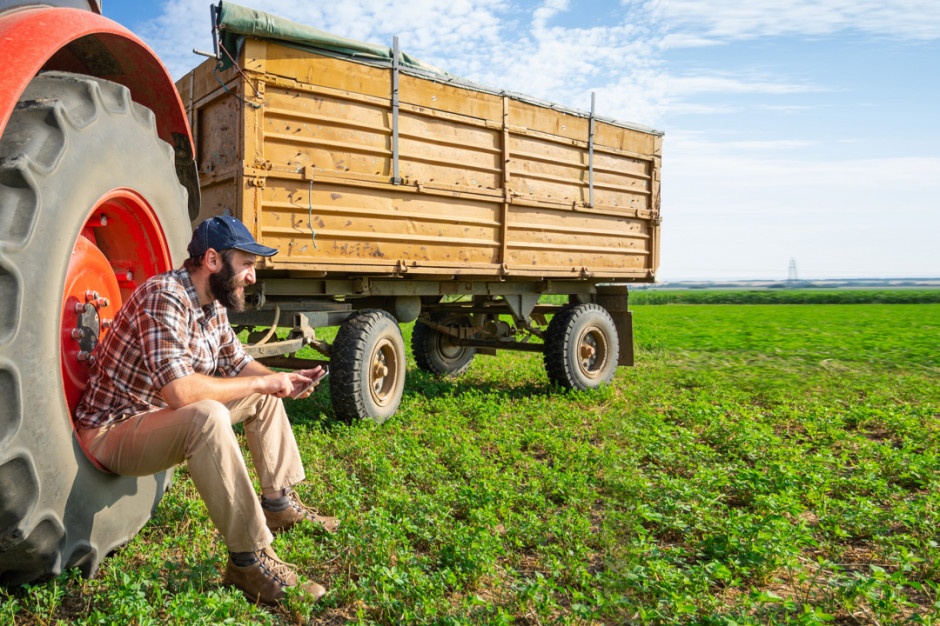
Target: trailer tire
(367,366)
(77,212)
(581,347)
(435,353)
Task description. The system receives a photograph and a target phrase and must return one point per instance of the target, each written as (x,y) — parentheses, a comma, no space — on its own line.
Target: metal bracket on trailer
(615,299)
(276,348)
(303,332)
(521,305)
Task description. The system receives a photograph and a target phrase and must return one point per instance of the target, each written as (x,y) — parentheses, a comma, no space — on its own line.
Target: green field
(786,296)
(760,464)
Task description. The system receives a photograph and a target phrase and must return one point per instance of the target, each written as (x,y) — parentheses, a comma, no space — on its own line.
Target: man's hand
(254,378)
(306,381)
(280,384)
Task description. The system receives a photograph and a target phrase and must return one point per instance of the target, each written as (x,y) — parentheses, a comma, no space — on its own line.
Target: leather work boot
(296,511)
(267,578)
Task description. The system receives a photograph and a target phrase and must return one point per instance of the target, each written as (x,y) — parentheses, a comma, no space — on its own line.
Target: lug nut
(91,295)
(102,302)
(79,308)
(78,333)
(106,322)
(84,355)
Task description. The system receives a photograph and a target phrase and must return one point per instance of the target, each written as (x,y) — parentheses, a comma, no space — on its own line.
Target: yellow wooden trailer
(396,192)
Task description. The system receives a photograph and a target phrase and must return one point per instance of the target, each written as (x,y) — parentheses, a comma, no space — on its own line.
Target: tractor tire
(90,205)
(435,353)
(367,367)
(581,347)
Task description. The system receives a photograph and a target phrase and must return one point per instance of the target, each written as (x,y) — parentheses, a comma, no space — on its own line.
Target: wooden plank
(311,208)
(565,229)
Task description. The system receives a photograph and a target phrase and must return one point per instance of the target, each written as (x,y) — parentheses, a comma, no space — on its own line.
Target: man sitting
(171,378)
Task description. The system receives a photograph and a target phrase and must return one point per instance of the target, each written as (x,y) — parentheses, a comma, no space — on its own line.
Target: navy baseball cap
(223,232)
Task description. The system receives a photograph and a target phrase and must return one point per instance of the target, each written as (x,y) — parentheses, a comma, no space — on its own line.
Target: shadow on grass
(317,410)
(421,383)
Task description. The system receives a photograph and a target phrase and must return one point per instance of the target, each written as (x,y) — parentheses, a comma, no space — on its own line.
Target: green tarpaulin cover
(235,22)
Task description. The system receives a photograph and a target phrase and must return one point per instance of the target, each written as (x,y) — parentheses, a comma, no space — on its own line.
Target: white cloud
(693,85)
(774,145)
(710,20)
(786,108)
(548,10)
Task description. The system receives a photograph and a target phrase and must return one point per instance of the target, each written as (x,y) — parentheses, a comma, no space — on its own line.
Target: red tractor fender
(73,40)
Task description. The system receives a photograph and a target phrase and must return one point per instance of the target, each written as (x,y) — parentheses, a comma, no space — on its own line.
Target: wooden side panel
(577,242)
(490,186)
(336,226)
(309,69)
(431,96)
(446,152)
(220,198)
(217,127)
(325,132)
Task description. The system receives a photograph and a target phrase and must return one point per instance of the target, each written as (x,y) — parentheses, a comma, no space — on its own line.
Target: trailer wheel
(435,352)
(367,367)
(90,204)
(581,347)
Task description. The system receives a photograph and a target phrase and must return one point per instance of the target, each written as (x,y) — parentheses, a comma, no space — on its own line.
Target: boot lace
(273,568)
(299,506)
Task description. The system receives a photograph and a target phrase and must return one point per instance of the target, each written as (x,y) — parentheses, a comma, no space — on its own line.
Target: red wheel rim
(121,244)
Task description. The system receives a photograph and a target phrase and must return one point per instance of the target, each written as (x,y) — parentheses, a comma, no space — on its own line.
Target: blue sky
(800,129)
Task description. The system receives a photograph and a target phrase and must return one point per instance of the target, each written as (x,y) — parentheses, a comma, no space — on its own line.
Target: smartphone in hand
(313,383)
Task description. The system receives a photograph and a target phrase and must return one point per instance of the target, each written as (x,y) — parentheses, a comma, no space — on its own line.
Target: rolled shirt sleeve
(163,324)
(232,355)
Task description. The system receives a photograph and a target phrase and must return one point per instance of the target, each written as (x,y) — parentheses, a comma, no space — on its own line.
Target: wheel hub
(92,293)
(383,373)
(87,328)
(379,369)
(448,350)
(592,352)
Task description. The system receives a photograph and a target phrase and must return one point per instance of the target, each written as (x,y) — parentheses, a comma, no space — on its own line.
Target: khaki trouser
(201,434)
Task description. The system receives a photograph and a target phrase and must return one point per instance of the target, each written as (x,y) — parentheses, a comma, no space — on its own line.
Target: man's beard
(224,287)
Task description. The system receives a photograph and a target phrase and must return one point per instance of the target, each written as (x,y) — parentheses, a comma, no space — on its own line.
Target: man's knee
(271,403)
(266,407)
(211,415)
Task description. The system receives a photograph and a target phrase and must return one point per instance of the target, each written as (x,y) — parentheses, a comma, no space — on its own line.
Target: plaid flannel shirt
(160,334)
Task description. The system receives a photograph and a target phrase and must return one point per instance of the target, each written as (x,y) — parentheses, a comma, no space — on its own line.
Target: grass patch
(759,465)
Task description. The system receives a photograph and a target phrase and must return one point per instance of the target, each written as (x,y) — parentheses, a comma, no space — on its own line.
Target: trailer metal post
(396,178)
(591,152)
(507,194)
(214,12)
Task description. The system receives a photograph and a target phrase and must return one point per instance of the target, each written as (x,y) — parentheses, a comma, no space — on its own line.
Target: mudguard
(73,40)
